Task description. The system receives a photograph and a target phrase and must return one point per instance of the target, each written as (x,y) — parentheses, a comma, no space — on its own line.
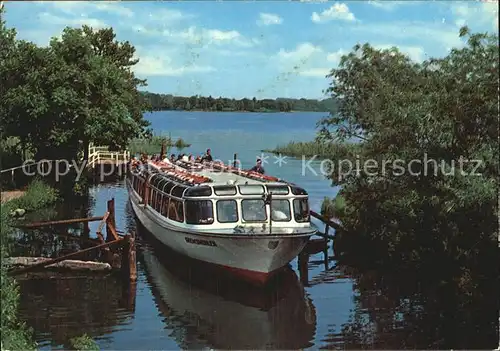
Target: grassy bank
(313,148)
(15,334)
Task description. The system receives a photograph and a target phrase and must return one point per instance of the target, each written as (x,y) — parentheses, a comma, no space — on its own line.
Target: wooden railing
(98,154)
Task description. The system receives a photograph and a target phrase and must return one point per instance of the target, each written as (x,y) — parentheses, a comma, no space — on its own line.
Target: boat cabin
(205,204)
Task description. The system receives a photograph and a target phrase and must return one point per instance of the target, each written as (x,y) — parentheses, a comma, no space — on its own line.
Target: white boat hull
(250,257)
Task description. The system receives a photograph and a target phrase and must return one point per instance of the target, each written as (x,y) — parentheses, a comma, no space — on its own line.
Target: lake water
(175,306)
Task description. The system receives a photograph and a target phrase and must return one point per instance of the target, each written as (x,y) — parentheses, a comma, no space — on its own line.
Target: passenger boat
(222,215)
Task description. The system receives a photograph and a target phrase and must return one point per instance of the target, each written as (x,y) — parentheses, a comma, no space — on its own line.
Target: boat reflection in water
(205,308)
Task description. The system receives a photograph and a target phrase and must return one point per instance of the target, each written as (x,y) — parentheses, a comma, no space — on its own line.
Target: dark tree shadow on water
(420,310)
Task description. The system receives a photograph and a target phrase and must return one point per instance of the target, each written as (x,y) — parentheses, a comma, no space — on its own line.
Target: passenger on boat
(208,156)
(198,159)
(191,158)
(258,167)
(172,158)
(185,158)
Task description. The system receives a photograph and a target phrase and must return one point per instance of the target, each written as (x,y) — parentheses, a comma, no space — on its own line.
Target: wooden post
(162,152)
(129,267)
(110,221)
(303,269)
(325,250)
(132,258)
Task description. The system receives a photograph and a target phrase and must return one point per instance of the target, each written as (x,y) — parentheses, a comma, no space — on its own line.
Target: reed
(313,148)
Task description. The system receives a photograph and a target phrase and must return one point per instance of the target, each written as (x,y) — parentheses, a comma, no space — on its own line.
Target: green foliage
(152,145)
(160,102)
(445,108)
(317,148)
(15,334)
(84,343)
(37,195)
(81,88)
(333,208)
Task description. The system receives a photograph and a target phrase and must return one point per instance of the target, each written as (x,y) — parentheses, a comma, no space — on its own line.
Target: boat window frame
(290,214)
(186,202)
(302,200)
(195,189)
(175,188)
(181,207)
(264,207)
(168,183)
(219,187)
(297,190)
(252,186)
(236,207)
(269,189)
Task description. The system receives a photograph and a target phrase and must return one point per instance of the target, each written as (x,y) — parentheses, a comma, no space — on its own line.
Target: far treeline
(162,102)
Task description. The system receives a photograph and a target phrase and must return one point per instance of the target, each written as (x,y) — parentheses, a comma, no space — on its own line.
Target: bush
(83,342)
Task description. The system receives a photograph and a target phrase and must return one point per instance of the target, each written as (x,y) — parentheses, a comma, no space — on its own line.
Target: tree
(78,90)
(442,109)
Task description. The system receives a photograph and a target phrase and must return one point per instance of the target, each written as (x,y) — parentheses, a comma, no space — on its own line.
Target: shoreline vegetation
(16,335)
(321,150)
(168,102)
(152,145)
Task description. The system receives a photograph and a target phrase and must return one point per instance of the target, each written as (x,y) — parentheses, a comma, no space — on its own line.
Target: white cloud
(206,37)
(164,66)
(389,5)
(475,15)
(267,19)
(302,52)
(338,11)
(315,72)
(335,57)
(76,8)
(51,19)
(169,15)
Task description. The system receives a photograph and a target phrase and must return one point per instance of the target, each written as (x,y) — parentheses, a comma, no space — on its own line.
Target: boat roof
(210,173)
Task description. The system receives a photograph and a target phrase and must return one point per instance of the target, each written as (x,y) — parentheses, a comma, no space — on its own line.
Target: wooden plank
(337,226)
(65,257)
(63,221)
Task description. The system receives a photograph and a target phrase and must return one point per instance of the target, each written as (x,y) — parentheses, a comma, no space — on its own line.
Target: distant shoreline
(209,111)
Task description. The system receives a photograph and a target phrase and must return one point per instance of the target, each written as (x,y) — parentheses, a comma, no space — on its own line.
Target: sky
(262,49)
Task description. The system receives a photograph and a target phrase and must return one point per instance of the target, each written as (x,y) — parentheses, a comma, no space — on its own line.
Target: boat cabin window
(251,189)
(168,187)
(277,189)
(178,190)
(176,210)
(253,210)
(225,190)
(301,210)
(298,191)
(164,206)
(198,191)
(199,212)
(159,199)
(281,211)
(227,211)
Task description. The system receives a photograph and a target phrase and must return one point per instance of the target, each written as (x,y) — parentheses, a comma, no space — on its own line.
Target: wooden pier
(317,245)
(118,250)
(101,155)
